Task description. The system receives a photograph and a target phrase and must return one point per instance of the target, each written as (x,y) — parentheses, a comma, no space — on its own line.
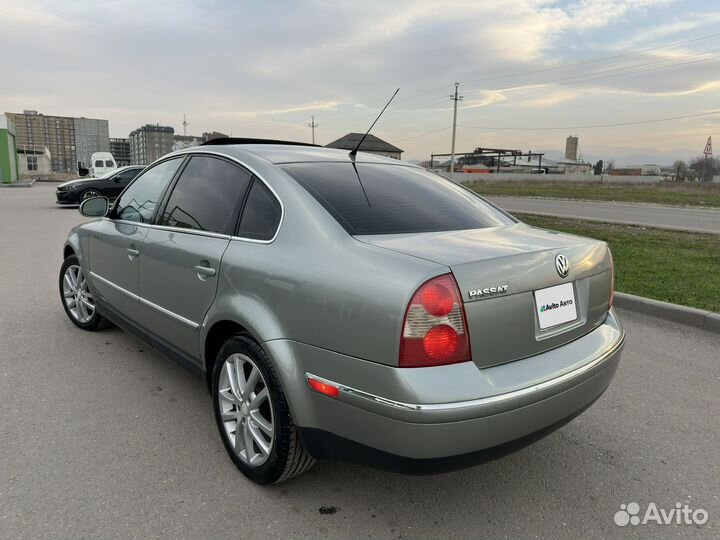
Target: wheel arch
(216,335)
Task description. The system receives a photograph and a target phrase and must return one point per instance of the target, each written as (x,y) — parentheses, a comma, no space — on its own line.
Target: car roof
(283,153)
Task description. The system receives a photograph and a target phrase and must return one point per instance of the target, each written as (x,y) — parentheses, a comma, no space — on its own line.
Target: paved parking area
(101,437)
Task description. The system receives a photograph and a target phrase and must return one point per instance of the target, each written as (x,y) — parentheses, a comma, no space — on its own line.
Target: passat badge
(487,291)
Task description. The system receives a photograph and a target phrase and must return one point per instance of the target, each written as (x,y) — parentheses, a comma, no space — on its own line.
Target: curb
(22,184)
(698,318)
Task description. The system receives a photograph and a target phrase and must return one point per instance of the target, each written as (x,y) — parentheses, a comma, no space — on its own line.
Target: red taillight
(612,279)
(323,388)
(437,299)
(435,331)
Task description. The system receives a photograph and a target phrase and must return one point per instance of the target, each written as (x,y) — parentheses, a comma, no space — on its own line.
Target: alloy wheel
(246,409)
(90,194)
(77,295)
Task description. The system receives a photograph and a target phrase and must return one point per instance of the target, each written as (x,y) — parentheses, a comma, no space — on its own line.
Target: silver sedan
(348,307)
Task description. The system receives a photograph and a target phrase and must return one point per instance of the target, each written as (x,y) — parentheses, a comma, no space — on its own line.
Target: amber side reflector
(323,388)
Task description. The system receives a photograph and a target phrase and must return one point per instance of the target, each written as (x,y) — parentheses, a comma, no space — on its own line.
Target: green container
(9,171)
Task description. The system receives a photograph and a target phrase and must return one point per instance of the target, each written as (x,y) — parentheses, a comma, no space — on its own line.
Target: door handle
(204,272)
(132,253)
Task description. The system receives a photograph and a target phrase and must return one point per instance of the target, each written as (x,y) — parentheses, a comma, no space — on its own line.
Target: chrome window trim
(192,152)
(470,404)
(169,228)
(144,302)
(259,177)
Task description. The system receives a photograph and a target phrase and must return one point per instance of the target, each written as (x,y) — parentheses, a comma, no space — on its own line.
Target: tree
(610,166)
(598,168)
(697,166)
(681,170)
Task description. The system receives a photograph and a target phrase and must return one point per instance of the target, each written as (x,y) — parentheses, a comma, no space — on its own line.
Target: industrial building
(34,161)
(501,160)
(120,149)
(91,136)
(68,139)
(150,142)
(371,144)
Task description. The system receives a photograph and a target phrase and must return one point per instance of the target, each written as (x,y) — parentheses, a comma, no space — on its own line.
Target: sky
(531,72)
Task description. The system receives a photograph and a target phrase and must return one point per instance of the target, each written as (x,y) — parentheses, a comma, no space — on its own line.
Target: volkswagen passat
(355,308)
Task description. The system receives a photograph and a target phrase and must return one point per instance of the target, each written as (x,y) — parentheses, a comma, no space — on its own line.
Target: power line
(423,134)
(602,59)
(634,71)
(592,126)
(543,70)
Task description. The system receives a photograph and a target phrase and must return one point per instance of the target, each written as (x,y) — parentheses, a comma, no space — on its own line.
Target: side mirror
(95,207)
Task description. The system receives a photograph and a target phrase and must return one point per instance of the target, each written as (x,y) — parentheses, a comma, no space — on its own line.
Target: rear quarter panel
(317,285)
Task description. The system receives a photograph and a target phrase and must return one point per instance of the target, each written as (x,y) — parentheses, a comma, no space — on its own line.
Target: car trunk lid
(499,272)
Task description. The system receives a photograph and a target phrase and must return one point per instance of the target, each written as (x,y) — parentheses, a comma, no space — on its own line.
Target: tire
(284,456)
(77,298)
(89,194)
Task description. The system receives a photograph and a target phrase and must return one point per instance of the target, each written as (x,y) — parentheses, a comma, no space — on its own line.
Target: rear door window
(390,199)
(261,215)
(207,196)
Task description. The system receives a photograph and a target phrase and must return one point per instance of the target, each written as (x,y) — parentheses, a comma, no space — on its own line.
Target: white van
(102,163)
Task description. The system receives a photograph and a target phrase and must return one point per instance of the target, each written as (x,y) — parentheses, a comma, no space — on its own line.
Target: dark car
(110,185)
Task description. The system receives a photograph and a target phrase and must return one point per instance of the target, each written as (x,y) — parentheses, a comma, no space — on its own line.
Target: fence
(570,178)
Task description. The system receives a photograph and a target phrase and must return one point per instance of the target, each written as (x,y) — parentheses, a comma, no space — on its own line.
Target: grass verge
(678,267)
(670,193)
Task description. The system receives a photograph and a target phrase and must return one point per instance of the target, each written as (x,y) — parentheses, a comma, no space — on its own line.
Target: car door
(115,242)
(181,254)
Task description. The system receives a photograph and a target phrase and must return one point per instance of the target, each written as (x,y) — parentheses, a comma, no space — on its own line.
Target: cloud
(263,68)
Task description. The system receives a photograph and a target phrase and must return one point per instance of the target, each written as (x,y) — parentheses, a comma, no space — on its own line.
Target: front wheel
(90,194)
(253,416)
(77,298)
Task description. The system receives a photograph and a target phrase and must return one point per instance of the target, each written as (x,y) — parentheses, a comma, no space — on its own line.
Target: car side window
(138,201)
(207,195)
(128,175)
(262,213)
(98,163)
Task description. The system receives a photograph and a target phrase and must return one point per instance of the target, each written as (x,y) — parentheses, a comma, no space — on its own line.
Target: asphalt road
(101,437)
(664,217)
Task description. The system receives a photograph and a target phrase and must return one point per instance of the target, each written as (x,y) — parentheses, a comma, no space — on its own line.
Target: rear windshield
(391,199)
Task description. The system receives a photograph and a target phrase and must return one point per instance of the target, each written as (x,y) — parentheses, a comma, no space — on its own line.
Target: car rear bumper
(410,413)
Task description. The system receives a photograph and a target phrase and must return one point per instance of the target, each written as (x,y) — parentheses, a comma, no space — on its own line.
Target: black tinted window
(261,216)
(138,201)
(126,176)
(390,199)
(207,195)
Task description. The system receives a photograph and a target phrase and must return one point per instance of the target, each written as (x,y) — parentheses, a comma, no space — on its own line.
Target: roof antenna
(354,151)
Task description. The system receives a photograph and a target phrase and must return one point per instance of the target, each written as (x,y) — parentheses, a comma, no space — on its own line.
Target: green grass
(671,193)
(678,267)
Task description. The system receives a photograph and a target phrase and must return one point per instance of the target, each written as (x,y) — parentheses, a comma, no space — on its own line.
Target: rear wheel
(77,298)
(253,416)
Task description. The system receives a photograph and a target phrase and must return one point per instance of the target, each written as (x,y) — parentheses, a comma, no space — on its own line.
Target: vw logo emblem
(562,265)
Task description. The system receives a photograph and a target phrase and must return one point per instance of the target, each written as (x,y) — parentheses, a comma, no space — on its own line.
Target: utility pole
(184,124)
(455,99)
(313,125)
